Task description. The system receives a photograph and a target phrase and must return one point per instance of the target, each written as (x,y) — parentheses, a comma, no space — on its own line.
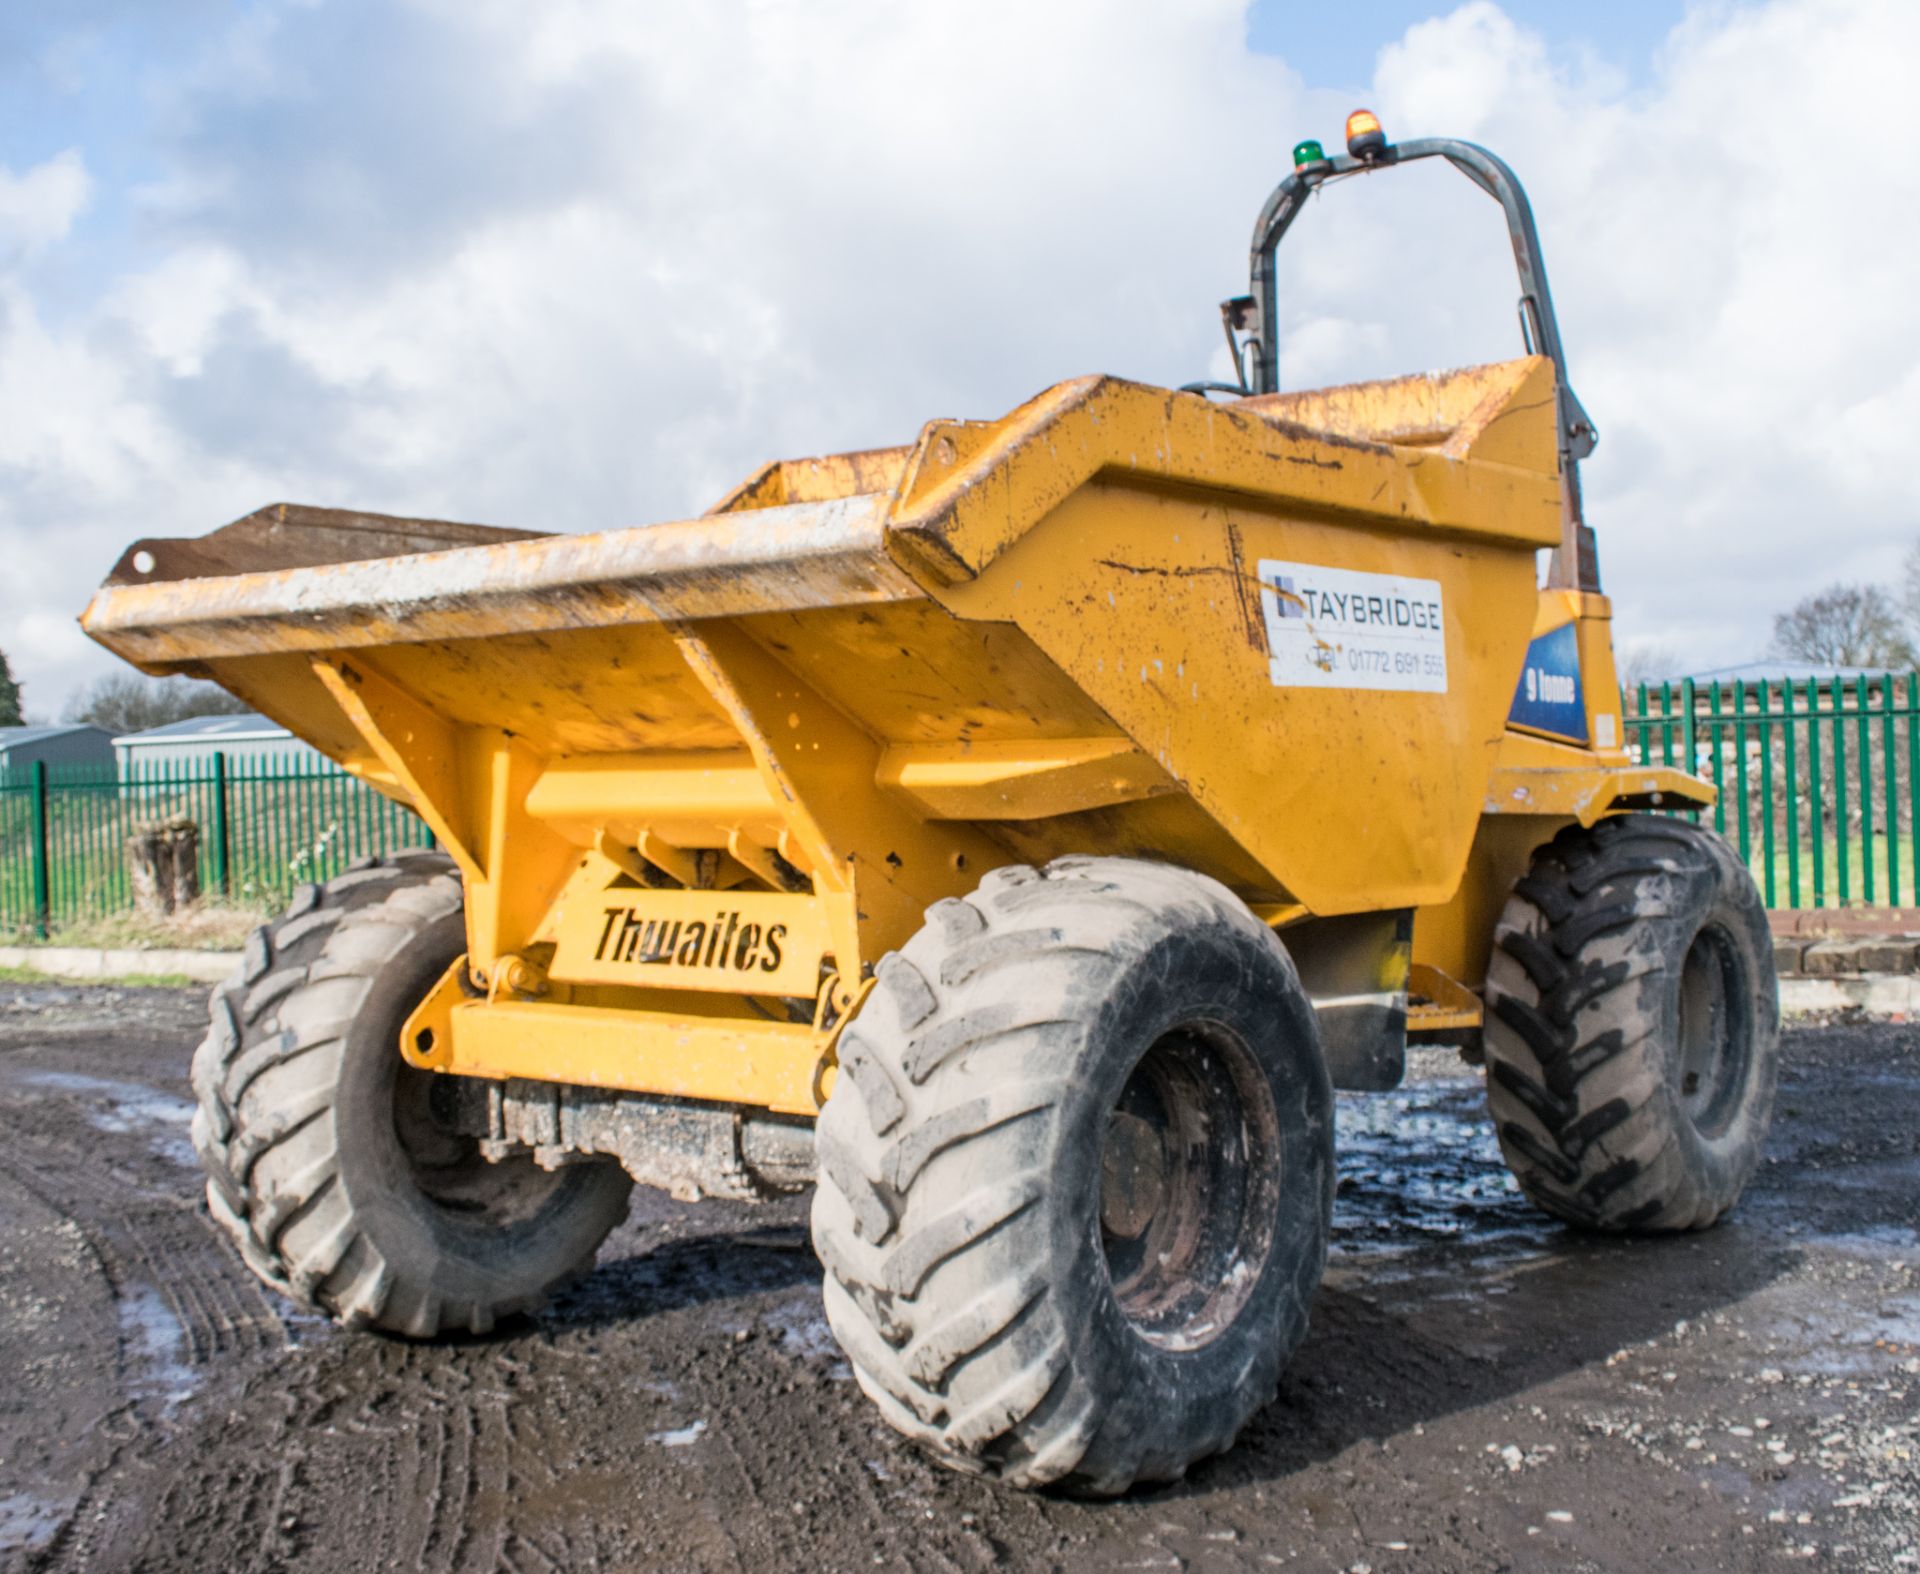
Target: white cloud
(586,264)
(1727,250)
(176,309)
(39,207)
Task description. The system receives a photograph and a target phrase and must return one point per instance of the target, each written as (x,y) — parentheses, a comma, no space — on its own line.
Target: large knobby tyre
(329,1161)
(1633,1027)
(1076,1176)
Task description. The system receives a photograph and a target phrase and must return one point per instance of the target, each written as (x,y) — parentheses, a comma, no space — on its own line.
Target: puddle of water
(1890,1241)
(157,1344)
(28,1522)
(679,1437)
(801,1325)
(130,1108)
(1419,1165)
(1856,1341)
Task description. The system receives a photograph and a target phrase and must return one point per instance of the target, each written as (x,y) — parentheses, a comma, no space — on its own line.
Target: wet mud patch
(1481,1389)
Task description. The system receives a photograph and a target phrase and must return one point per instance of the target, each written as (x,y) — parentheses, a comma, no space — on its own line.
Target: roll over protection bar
(1539,327)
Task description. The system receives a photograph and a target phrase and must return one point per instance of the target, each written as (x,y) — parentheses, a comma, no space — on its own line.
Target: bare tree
(124,702)
(1844,626)
(9,695)
(1910,588)
(1648,664)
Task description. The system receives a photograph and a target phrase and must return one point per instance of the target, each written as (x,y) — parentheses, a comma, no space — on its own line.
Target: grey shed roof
(209,729)
(1786,671)
(14,737)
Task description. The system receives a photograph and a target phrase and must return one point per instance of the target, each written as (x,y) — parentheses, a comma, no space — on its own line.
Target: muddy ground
(1480,1390)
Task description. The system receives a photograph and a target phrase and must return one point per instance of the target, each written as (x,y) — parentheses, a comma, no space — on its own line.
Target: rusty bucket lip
(941,522)
(783,558)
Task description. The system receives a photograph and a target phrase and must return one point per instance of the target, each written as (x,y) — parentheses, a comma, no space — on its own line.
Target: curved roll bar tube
(1575,563)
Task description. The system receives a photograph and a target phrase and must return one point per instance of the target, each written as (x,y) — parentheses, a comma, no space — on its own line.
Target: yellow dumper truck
(1017,835)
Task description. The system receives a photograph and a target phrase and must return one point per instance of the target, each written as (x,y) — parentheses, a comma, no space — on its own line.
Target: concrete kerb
(1876,994)
(85,963)
(1864,960)
(1893,996)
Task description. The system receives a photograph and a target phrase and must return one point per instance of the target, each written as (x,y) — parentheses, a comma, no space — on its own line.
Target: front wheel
(1632,1034)
(1076,1176)
(332,1164)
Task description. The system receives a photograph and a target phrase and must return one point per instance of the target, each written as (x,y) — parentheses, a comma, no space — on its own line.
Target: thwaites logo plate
(1339,628)
(755,943)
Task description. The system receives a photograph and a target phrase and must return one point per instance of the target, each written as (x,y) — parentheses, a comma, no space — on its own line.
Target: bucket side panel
(1356,787)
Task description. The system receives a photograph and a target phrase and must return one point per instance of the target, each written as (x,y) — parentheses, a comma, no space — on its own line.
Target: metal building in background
(195,741)
(69,743)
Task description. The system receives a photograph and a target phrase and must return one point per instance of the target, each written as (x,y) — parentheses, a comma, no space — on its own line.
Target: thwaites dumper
(1018,835)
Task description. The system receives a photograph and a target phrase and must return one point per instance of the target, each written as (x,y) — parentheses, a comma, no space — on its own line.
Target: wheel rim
(1189,1186)
(1713,1032)
(446,1165)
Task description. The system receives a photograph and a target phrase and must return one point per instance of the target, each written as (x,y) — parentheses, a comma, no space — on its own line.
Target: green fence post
(42,891)
(1889,786)
(1816,797)
(1764,725)
(1689,737)
(1913,779)
(1719,772)
(222,839)
(1792,805)
(1842,821)
(1866,789)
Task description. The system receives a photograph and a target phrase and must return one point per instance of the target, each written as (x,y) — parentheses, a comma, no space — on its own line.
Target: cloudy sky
(584,264)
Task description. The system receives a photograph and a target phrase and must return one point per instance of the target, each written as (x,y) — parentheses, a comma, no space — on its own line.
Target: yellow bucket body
(690,766)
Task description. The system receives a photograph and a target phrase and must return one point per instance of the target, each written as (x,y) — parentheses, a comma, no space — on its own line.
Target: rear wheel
(336,1168)
(1075,1177)
(1633,1026)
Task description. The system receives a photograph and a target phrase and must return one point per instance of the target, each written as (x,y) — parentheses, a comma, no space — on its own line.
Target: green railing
(1817,779)
(266,825)
(1817,791)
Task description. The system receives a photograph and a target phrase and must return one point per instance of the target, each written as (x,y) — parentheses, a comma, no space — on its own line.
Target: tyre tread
(264,1078)
(1574,1027)
(977,1375)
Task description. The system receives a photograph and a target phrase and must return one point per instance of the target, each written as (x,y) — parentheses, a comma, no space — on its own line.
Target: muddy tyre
(328,1161)
(1633,1026)
(1076,1175)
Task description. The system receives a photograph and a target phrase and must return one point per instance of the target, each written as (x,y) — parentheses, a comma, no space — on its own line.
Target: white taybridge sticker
(1336,628)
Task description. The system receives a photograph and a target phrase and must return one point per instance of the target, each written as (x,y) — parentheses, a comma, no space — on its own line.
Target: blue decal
(1550,697)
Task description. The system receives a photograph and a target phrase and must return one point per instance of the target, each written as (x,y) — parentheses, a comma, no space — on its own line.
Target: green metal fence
(266,825)
(1817,790)
(1817,779)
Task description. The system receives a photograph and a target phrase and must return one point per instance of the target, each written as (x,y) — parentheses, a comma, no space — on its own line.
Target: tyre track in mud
(101,1155)
(685,1408)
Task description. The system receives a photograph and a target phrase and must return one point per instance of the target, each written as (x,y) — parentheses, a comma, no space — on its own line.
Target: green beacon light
(1308,152)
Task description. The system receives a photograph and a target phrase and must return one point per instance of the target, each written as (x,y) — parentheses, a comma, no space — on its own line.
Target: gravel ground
(1481,1389)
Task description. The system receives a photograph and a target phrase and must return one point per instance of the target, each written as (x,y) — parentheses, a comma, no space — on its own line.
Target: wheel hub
(1189,1186)
(1133,1176)
(1707,1065)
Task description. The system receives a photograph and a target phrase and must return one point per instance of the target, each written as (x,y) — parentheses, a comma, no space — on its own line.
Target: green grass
(33,975)
(1829,894)
(208,926)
